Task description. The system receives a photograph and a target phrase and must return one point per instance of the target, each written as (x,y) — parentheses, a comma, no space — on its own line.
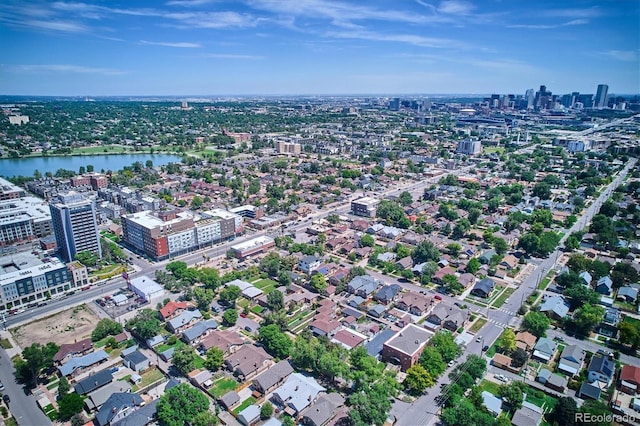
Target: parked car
(486,348)
(1,386)
(479,339)
(6,398)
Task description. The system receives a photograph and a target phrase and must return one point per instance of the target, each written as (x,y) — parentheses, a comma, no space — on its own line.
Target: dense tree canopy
(180,404)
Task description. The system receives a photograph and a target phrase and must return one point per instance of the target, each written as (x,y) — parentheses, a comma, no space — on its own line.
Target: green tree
(418,379)
(37,357)
(184,358)
(203,297)
(229,294)
(519,357)
(513,394)
(425,251)
(145,324)
(444,343)
(451,284)
(204,418)
(587,317)
(230,316)
(537,323)
(214,359)
(580,294)
(507,341)
(405,198)
(105,327)
(454,249)
(266,411)
(63,386)
(319,282)
(180,404)
(564,413)
(598,410)
(432,361)
(371,407)
(629,334)
(275,300)
(473,265)
(68,405)
(500,245)
(275,342)
(87,258)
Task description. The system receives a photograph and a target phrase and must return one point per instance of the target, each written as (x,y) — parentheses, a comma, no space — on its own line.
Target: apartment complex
(23,219)
(75,225)
(365,206)
(9,191)
(25,279)
(163,234)
(288,147)
(469,147)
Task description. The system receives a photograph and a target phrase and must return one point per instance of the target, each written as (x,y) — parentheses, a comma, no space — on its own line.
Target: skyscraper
(601,96)
(530,96)
(75,225)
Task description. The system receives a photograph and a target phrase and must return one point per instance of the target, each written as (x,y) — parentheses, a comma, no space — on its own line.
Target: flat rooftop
(366,200)
(254,242)
(22,265)
(410,339)
(19,209)
(147,219)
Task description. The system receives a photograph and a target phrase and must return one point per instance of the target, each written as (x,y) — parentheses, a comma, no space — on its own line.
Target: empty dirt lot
(64,327)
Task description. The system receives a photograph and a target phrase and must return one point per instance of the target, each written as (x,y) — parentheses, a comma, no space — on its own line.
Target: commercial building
(9,191)
(75,225)
(601,96)
(163,234)
(254,246)
(146,288)
(405,347)
(469,147)
(364,206)
(288,147)
(25,280)
(23,219)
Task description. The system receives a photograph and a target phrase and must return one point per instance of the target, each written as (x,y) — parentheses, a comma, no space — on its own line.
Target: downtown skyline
(271,47)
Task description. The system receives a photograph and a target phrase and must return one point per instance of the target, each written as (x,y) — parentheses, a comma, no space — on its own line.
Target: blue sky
(271,47)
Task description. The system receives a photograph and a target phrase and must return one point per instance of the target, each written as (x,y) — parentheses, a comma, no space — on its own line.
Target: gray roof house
(154,341)
(586,278)
(367,289)
(358,282)
(141,417)
(273,377)
(249,415)
(601,369)
(588,390)
(374,346)
(483,288)
(297,393)
(76,365)
(192,334)
(528,415)
(571,360)
(492,403)
(604,285)
(387,293)
(136,361)
(377,310)
(544,349)
(93,382)
(628,293)
(118,406)
(555,306)
(184,320)
(98,397)
(229,399)
(323,410)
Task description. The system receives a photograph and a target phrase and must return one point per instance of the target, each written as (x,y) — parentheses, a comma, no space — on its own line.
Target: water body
(10,167)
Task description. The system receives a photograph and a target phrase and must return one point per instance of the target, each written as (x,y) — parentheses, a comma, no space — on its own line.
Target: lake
(10,167)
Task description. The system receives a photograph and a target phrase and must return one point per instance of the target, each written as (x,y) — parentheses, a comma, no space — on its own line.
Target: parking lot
(120,302)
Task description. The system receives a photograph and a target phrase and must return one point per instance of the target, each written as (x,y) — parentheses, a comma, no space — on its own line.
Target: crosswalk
(498,323)
(507,311)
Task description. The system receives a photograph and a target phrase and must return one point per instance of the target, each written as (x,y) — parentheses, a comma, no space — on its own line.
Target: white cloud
(412,39)
(184,45)
(455,7)
(550,26)
(622,55)
(65,69)
(575,13)
(232,56)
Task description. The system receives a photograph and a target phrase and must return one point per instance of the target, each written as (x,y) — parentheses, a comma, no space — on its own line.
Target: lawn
(541,399)
(266,285)
(503,297)
(544,283)
(166,347)
(6,344)
(148,378)
(257,309)
(51,412)
(198,362)
(480,322)
(247,402)
(109,271)
(488,386)
(111,149)
(242,302)
(222,386)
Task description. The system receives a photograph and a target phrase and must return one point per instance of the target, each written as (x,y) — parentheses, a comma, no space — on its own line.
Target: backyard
(222,386)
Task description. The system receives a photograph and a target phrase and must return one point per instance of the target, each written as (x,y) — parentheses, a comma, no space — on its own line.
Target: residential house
(447,316)
(75,366)
(201,378)
(589,391)
(347,339)
(441,273)
(324,327)
(309,264)
(485,257)
(386,257)
(118,406)
(250,415)
(466,279)
(609,325)
(510,262)
(387,294)
(172,309)
(628,293)
(555,307)
(183,321)
(552,380)
(502,361)
(199,330)
(525,340)
(630,379)
(527,415)
(483,288)
(229,400)
(586,278)
(273,377)
(360,281)
(227,340)
(374,346)
(95,399)
(136,361)
(68,350)
(545,349)
(571,360)
(405,263)
(601,369)
(323,410)
(414,303)
(248,361)
(377,310)
(93,382)
(406,346)
(297,393)
(492,403)
(604,285)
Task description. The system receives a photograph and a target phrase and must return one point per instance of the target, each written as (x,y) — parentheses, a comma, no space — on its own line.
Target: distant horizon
(297,47)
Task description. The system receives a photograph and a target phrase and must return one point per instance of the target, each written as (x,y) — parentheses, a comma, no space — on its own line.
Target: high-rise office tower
(75,225)
(530,96)
(601,96)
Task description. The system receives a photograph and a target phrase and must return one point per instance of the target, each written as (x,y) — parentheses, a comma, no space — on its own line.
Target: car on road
(559,338)
(1,386)
(6,399)
(479,339)
(501,377)
(437,297)
(485,348)
(451,363)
